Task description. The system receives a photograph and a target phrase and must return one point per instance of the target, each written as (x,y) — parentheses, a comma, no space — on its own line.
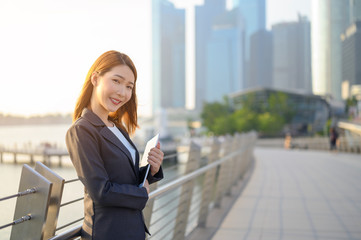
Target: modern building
(168,55)
(219,51)
(292,56)
(330,18)
(355,10)
(261,59)
(204,19)
(351,56)
(224,59)
(311,112)
(253,13)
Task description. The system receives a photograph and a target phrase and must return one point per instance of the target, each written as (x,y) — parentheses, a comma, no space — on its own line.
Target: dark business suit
(113,202)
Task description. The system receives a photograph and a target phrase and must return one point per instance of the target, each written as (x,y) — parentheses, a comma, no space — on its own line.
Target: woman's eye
(115,80)
(130,87)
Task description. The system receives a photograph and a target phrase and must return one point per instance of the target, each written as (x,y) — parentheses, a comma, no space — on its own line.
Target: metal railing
(37,203)
(175,208)
(23,218)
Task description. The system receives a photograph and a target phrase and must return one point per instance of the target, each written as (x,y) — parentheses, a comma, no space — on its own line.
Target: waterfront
(30,136)
(10,177)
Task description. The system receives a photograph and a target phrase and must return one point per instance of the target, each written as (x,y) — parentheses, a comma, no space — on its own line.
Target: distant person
(333,138)
(105,158)
(288,141)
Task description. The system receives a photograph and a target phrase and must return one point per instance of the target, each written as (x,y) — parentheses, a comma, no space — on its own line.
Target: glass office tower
(204,18)
(330,18)
(351,54)
(292,55)
(168,55)
(224,57)
(253,13)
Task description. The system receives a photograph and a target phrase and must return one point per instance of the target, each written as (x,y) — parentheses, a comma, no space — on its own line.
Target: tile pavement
(294,194)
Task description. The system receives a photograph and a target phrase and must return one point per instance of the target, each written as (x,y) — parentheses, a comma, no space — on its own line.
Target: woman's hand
(155,159)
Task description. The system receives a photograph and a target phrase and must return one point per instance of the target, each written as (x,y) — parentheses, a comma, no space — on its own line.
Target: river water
(27,137)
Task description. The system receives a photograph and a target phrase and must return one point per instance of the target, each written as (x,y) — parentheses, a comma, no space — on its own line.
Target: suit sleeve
(151,179)
(83,147)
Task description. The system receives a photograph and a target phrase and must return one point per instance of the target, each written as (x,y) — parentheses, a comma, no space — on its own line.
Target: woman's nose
(121,90)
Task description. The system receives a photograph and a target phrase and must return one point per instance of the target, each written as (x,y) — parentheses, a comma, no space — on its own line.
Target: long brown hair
(126,116)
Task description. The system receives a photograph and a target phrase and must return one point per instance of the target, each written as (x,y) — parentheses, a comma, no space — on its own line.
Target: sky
(48,46)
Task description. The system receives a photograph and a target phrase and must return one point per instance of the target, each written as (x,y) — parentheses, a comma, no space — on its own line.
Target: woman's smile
(115,101)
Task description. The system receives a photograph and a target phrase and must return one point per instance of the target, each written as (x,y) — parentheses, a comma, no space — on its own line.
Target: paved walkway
(296,195)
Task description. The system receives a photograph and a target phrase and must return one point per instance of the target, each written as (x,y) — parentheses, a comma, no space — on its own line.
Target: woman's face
(112,90)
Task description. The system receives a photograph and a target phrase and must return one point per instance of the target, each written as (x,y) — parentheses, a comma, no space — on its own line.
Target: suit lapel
(108,135)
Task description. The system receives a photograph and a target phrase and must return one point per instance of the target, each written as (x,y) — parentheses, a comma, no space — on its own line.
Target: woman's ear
(94,78)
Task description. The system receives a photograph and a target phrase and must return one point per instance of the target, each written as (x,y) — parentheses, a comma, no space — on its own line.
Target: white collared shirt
(125,142)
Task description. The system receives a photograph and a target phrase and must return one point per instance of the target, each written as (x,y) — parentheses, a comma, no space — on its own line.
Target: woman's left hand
(155,159)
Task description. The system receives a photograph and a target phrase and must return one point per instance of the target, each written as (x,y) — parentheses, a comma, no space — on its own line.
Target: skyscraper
(204,18)
(261,59)
(224,57)
(330,18)
(292,55)
(253,13)
(168,55)
(351,54)
(355,10)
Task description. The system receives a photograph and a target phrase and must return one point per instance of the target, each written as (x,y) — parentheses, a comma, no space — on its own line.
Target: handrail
(356,128)
(207,176)
(179,181)
(69,234)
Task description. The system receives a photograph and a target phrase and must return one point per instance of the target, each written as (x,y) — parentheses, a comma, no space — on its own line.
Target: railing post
(208,183)
(233,164)
(34,204)
(147,212)
(247,143)
(186,193)
(222,173)
(237,169)
(55,198)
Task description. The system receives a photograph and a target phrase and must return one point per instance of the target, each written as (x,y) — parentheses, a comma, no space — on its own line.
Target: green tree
(213,112)
(267,116)
(279,104)
(245,120)
(270,124)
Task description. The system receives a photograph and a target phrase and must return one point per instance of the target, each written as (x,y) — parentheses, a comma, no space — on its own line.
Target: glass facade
(219,51)
(204,18)
(168,55)
(311,111)
(254,16)
(329,20)
(292,56)
(224,58)
(351,54)
(253,13)
(355,10)
(260,60)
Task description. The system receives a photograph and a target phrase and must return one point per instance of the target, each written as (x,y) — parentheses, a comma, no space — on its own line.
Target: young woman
(105,158)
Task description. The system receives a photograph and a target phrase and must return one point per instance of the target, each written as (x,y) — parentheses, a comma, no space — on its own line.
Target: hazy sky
(47,47)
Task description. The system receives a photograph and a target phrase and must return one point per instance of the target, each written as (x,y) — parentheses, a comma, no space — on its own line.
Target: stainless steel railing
(179,205)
